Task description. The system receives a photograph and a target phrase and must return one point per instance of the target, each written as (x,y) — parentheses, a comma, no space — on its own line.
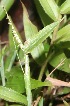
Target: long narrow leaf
(50,8)
(40,37)
(30,32)
(7,4)
(65,7)
(12,96)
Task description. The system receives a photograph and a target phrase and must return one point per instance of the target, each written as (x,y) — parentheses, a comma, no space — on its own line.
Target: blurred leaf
(65,7)
(40,37)
(27,81)
(63,34)
(12,96)
(57,58)
(64,91)
(50,8)
(7,5)
(46,20)
(41,102)
(30,32)
(65,103)
(59,2)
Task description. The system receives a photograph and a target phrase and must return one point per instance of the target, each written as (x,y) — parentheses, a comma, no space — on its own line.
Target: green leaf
(15,78)
(57,58)
(10,60)
(30,32)
(41,102)
(27,81)
(65,103)
(37,83)
(65,7)
(46,20)
(64,91)
(12,96)
(40,37)
(50,8)
(7,5)
(63,34)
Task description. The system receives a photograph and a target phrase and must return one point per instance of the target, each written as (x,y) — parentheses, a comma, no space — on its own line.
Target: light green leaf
(40,37)
(50,8)
(57,58)
(41,102)
(12,96)
(63,34)
(27,81)
(46,20)
(30,32)
(65,7)
(7,5)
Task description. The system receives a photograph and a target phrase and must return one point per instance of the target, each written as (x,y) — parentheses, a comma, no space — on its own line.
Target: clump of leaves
(18,84)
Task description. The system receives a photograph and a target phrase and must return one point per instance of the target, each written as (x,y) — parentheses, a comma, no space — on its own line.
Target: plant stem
(54,34)
(44,65)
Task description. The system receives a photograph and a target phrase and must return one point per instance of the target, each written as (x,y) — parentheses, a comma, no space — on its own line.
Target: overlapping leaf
(63,34)
(30,32)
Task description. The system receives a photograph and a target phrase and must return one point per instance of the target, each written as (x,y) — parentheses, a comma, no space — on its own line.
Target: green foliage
(12,96)
(19,60)
(7,4)
(65,7)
